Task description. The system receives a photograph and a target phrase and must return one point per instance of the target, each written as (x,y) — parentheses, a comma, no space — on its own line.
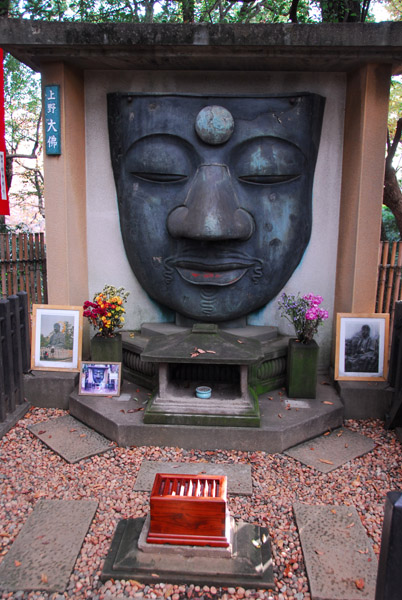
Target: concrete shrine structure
(350,65)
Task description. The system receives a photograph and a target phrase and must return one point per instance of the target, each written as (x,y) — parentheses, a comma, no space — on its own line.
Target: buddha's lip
(220,272)
(211,266)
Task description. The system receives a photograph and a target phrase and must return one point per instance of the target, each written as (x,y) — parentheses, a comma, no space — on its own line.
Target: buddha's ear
(116,130)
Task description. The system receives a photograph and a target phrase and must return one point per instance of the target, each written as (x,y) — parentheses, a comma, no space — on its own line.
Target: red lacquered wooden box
(188,510)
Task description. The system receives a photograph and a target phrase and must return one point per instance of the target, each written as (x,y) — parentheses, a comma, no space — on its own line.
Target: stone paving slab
(328,452)
(44,552)
(70,438)
(339,558)
(238,476)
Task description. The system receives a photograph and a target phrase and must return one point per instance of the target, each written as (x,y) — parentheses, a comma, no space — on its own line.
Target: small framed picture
(100,379)
(361,347)
(56,338)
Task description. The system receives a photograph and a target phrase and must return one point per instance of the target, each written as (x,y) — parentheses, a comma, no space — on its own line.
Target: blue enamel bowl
(203,391)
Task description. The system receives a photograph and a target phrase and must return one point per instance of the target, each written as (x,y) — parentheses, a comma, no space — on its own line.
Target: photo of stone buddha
(214,196)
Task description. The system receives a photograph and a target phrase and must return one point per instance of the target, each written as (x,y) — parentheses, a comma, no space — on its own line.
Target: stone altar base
(248,565)
(284,422)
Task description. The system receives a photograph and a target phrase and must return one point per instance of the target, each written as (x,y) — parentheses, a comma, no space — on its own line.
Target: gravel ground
(29,471)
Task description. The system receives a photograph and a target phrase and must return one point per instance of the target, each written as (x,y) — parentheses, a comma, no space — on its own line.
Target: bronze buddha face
(214,195)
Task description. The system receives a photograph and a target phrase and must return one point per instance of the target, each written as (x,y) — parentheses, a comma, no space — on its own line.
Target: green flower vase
(301,370)
(106,349)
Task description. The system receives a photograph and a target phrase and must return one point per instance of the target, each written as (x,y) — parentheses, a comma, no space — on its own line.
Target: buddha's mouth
(199,272)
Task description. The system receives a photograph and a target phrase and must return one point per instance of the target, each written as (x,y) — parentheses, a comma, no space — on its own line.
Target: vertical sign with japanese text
(52,119)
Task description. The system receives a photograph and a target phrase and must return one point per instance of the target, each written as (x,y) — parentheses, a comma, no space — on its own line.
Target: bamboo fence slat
(23,266)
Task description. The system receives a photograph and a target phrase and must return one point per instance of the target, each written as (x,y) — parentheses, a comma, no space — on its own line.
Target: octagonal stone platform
(284,422)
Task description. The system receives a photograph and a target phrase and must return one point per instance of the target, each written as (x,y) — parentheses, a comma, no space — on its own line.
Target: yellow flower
(122,319)
(103,319)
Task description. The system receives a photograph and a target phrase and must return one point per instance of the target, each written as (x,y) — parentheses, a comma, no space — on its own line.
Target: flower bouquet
(304,313)
(106,312)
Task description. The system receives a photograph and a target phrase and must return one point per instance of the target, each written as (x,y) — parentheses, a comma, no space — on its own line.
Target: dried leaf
(256,543)
(44,578)
(264,538)
(350,525)
(327,462)
(339,434)
(346,445)
(133,410)
(122,410)
(363,551)
(154,575)
(132,335)
(17,563)
(83,435)
(194,354)
(318,552)
(279,415)
(211,351)
(327,402)
(327,433)
(312,448)
(359,583)
(42,431)
(333,511)
(240,342)
(200,350)
(270,398)
(71,430)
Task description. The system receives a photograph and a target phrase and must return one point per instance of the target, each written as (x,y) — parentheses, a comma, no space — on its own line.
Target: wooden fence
(14,358)
(23,266)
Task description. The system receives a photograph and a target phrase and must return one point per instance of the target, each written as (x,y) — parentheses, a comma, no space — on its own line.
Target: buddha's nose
(211,210)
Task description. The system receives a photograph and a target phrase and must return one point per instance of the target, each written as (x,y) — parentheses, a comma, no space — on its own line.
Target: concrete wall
(107,262)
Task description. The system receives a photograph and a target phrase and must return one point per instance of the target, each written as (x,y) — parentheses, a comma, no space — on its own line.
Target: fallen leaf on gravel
(350,525)
(339,434)
(327,402)
(312,448)
(132,410)
(346,445)
(333,511)
(363,551)
(327,433)
(154,575)
(71,430)
(318,552)
(122,410)
(17,563)
(211,351)
(44,578)
(270,398)
(279,415)
(194,354)
(42,431)
(200,350)
(240,342)
(359,583)
(83,435)
(327,462)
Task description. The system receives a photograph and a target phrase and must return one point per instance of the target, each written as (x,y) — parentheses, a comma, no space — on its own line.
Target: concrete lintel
(279,46)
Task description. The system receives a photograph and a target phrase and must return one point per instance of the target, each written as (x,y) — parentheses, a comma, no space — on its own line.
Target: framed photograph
(100,379)
(56,338)
(361,347)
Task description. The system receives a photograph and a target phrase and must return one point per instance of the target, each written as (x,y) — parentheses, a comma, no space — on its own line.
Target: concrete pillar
(66,240)
(362,188)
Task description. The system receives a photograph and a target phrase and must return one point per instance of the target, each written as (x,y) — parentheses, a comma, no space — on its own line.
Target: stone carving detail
(214,196)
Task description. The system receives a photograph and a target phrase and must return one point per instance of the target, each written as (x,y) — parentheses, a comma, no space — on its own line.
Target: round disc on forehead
(214,125)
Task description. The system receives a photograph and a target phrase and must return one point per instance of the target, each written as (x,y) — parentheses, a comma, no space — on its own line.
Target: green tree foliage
(22,99)
(393,161)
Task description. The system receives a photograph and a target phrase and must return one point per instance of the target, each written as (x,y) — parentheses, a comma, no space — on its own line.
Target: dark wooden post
(389,578)
(8,364)
(18,394)
(24,331)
